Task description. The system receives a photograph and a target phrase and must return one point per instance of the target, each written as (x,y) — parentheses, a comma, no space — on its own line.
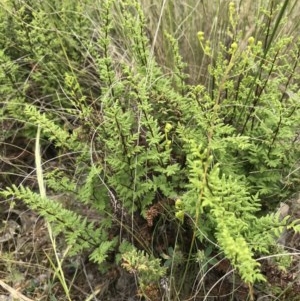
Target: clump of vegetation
(180,171)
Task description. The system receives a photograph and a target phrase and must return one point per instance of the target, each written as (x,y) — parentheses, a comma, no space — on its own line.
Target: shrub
(142,147)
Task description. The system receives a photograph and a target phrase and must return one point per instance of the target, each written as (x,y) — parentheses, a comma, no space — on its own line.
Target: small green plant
(147,269)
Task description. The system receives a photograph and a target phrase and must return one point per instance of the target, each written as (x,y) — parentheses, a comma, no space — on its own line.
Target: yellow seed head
(200,36)
(251,41)
(231,6)
(180,215)
(234,46)
(168,127)
(178,204)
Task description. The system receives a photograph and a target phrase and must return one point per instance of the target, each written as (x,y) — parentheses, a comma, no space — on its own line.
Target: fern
(80,235)
(132,138)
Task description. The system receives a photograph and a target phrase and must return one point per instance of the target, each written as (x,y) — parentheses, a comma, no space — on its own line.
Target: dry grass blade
(38,163)
(14,292)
